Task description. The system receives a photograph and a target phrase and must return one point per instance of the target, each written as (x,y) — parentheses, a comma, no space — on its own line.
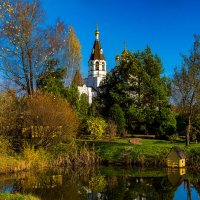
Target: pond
(105,183)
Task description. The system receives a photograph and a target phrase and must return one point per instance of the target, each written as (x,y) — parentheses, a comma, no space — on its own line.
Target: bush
(10,110)
(5,146)
(48,120)
(96,127)
(173,138)
(35,158)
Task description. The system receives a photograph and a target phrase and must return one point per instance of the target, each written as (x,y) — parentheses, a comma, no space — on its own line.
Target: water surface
(105,183)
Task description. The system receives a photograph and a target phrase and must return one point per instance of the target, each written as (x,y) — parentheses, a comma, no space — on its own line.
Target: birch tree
(186,86)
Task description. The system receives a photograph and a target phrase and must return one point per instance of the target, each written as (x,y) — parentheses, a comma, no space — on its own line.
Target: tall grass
(73,155)
(27,160)
(8,196)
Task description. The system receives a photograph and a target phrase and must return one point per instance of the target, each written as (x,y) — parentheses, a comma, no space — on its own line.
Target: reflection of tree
(93,185)
(97,183)
(164,188)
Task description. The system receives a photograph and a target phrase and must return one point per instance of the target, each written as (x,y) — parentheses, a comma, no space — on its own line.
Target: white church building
(97,70)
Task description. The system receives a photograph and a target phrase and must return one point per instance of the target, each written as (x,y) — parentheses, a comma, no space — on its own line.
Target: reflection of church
(97,70)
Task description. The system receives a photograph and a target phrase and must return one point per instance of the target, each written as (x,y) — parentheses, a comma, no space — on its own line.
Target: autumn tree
(22,42)
(73,54)
(28,45)
(49,120)
(186,86)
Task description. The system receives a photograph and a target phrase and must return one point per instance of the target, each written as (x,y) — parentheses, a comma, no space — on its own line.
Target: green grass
(8,196)
(149,153)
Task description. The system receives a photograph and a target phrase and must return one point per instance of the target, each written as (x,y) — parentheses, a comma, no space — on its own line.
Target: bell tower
(96,63)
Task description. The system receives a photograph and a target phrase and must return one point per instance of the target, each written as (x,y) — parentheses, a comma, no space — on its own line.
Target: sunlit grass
(148,152)
(8,196)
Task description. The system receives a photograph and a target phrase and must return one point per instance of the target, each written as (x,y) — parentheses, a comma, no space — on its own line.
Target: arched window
(97,66)
(103,66)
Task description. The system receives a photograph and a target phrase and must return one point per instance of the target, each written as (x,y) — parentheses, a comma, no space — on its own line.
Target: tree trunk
(189,190)
(28,89)
(188,131)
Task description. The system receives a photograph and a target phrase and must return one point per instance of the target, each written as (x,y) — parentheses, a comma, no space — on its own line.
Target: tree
(116,114)
(51,80)
(77,80)
(27,45)
(22,42)
(83,106)
(74,54)
(186,85)
(73,96)
(137,87)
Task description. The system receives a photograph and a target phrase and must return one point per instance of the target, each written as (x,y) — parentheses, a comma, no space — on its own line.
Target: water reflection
(105,183)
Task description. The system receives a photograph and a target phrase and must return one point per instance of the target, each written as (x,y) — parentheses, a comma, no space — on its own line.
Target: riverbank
(86,153)
(8,196)
(146,153)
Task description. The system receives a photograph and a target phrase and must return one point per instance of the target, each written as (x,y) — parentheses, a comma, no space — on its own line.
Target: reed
(9,196)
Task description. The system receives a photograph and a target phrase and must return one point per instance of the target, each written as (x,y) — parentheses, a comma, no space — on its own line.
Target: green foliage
(96,127)
(94,109)
(137,87)
(83,106)
(73,96)
(173,138)
(51,80)
(167,122)
(116,114)
(35,158)
(97,183)
(78,101)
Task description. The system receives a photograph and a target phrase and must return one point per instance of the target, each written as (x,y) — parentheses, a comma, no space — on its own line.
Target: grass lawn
(149,150)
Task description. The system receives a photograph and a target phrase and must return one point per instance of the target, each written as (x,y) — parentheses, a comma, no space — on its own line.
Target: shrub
(48,120)
(35,158)
(10,110)
(96,127)
(173,138)
(5,146)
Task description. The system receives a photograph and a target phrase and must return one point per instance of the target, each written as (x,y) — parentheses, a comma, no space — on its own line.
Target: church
(96,72)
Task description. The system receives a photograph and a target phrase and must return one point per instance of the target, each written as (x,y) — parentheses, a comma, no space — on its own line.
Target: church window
(103,66)
(97,66)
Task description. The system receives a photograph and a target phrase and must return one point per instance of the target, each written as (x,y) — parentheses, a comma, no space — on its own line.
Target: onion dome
(117,58)
(125,52)
(97,33)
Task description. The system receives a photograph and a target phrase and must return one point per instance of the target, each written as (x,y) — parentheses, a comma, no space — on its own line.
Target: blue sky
(167,26)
